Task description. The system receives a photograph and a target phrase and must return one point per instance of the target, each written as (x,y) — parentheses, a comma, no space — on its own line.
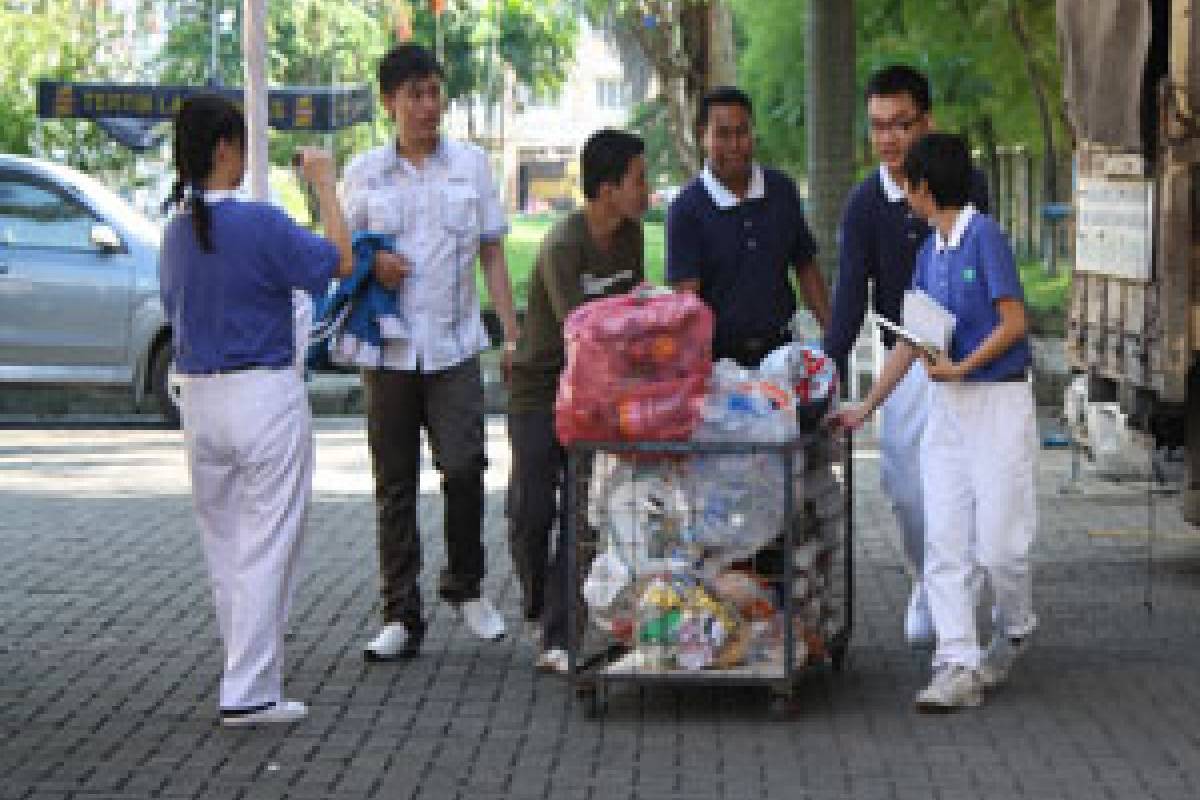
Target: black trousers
(449,406)
(538,462)
(535,494)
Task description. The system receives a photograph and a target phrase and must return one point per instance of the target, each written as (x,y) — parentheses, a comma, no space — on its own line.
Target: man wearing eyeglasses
(879,239)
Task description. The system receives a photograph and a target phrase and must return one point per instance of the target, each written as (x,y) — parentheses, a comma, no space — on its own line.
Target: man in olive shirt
(590,253)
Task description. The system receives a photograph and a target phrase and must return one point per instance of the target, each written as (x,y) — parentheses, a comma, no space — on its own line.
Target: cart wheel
(597,702)
(779,706)
(585,688)
(782,701)
(837,657)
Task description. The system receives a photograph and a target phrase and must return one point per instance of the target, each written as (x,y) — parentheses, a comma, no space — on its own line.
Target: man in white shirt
(439,200)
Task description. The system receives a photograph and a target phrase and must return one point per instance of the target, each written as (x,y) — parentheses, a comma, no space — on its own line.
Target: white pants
(250,453)
(903,423)
(978,458)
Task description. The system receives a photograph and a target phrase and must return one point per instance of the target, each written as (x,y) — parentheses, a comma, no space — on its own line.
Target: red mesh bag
(637,368)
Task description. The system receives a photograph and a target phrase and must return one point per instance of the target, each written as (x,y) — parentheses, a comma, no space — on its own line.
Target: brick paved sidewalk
(109,664)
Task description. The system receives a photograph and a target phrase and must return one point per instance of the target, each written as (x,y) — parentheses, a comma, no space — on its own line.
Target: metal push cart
(686,551)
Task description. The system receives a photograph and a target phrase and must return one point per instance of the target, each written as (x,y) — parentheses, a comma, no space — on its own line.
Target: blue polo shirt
(967,274)
(877,248)
(232,308)
(740,252)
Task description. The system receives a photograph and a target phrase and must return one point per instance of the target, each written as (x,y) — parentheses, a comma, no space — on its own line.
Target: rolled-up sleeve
(301,259)
(493,220)
(997,264)
(354,195)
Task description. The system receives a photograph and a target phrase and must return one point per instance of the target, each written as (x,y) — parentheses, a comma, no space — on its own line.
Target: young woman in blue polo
(228,269)
(978,448)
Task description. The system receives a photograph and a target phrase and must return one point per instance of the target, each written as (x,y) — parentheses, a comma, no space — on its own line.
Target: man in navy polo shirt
(733,232)
(879,240)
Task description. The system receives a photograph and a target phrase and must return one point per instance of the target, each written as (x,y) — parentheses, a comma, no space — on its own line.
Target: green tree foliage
(53,40)
(672,36)
(976,63)
(316,42)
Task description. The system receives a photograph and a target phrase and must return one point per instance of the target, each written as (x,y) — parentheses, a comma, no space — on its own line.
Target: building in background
(535,139)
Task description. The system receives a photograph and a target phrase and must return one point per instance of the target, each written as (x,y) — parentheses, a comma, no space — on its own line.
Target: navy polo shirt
(740,252)
(878,243)
(232,308)
(967,274)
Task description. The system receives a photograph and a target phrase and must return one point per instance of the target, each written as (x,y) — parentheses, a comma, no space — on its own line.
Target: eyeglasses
(896,125)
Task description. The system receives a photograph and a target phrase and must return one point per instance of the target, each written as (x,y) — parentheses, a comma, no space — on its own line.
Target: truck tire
(166,395)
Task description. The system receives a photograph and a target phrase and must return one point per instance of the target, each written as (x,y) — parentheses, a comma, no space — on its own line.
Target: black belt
(1016,377)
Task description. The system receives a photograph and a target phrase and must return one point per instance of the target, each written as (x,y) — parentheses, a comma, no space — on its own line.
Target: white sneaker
(555,661)
(283,711)
(998,661)
(918,619)
(391,643)
(482,619)
(952,687)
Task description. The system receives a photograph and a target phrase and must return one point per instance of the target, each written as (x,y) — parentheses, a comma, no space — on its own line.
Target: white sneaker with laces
(482,619)
(554,661)
(953,686)
(392,642)
(918,619)
(998,661)
(283,711)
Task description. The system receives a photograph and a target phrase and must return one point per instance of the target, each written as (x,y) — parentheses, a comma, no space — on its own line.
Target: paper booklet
(927,319)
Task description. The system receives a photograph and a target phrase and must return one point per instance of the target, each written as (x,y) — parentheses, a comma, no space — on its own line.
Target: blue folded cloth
(354,321)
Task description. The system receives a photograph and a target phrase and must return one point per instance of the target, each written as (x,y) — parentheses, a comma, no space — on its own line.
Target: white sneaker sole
(938,706)
(484,637)
(282,712)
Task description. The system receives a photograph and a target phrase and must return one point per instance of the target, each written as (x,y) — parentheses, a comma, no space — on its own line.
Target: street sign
(320,109)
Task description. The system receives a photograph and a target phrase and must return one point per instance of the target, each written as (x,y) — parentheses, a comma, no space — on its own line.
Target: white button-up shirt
(439,213)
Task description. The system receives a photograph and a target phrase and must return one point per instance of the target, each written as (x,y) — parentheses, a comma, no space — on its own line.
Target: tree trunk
(991,157)
(1049,170)
(674,39)
(832,100)
(722,57)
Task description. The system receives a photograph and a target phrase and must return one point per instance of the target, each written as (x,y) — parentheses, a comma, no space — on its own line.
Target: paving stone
(109,662)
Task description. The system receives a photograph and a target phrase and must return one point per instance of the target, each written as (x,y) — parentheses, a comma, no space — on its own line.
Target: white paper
(927,319)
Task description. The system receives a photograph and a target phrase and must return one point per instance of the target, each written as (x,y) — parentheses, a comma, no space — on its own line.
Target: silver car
(79,299)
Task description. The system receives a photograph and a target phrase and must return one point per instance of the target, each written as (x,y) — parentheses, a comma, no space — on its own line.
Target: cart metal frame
(591,680)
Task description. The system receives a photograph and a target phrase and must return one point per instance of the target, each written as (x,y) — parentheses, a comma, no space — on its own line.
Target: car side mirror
(106,238)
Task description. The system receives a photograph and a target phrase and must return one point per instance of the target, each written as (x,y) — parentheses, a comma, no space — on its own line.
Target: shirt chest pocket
(387,210)
(460,211)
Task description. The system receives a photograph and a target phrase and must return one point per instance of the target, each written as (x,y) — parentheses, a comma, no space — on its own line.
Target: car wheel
(164,384)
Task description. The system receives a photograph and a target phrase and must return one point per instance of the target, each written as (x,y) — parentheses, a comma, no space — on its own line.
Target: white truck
(1132,88)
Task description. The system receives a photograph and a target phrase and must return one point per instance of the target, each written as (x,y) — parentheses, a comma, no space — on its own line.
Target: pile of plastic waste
(679,576)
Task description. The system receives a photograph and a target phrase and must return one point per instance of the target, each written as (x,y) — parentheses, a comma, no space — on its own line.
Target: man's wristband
(510,345)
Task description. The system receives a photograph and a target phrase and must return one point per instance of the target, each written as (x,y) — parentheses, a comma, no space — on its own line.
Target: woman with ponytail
(228,269)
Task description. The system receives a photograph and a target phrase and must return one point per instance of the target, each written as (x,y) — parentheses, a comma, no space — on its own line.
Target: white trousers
(901,427)
(250,454)
(977,464)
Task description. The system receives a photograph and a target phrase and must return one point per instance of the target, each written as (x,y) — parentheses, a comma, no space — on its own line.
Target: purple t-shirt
(232,307)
